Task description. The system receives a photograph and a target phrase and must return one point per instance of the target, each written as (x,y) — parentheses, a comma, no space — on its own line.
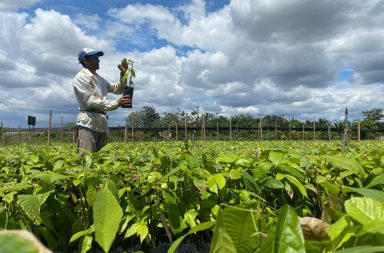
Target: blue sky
(298,58)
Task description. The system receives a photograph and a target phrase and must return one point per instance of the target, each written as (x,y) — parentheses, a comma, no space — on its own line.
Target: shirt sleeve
(116,88)
(86,93)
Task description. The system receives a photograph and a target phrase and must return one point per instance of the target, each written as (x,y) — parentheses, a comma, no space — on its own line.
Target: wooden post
(267,129)
(18,136)
(314,129)
(69,132)
(261,129)
(49,127)
(203,126)
(61,130)
(126,129)
(74,134)
(276,129)
(185,128)
(289,128)
(133,115)
(176,131)
(217,129)
(230,128)
(1,133)
(329,133)
(304,131)
(358,130)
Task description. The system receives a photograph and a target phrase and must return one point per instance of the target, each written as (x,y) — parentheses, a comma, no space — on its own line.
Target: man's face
(92,62)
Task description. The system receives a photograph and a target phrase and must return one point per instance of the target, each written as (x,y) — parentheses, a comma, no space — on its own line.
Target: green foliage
(107,216)
(235,231)
(9,243)
(151,193)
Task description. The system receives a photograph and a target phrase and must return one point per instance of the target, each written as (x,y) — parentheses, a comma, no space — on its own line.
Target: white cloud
(257,56)
(90,22)
(13,4)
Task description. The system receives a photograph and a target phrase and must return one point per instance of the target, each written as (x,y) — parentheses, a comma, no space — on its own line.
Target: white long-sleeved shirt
(91,93)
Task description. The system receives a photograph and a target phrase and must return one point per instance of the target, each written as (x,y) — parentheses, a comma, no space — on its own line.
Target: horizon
(296,58)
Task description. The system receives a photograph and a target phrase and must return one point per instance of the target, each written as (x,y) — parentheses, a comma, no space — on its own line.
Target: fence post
(358,130)
(133,115)
(289,128)
(49,127)
(217,129)
(230,128)
(261,129)
(61,130)
(303,131)
(176,130)
(74,133)
(69,132)
(204,126)
(126,129)
(329,133)
(1,133)
(185,128)
(314,129)
(18,136)
(276,129)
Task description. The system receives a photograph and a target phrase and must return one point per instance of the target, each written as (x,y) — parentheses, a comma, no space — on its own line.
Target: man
(91,92)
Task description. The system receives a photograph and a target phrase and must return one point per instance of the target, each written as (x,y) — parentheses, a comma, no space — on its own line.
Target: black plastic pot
(128,91)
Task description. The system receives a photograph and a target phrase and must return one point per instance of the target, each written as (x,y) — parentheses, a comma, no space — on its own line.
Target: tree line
(148,117)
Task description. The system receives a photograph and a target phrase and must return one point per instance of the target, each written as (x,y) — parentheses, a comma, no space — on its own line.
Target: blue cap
(88,52)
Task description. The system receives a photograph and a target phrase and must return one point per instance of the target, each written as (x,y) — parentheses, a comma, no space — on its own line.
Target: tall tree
(146,117)
(373,115)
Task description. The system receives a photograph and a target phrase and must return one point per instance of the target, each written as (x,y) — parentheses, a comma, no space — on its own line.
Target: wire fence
(67,133)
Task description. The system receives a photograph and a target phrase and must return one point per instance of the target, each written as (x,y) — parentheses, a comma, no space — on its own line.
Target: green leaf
(139,229)
(365,249)
(364,210)
(10,242)
(85,244)
(107,215)
(345,163)
(35,159)
(142,231)
(327,185)
(274,183)
(377,180)
(243,163)
(371,193)
(234,174)
(227,158)
(216,182)
(31,206)
(276,157)
(340,232)
(235,231)
(190,217)
(288,235)
(81,233)
(297,183)
(375,226)
(197,228)
(175,218)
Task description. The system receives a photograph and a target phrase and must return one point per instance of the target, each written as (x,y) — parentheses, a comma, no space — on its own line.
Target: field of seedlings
(207,196)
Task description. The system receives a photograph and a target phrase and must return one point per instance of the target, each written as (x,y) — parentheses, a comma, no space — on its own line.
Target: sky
(296,58)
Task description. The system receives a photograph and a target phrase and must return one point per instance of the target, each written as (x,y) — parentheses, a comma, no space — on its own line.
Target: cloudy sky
(297,58)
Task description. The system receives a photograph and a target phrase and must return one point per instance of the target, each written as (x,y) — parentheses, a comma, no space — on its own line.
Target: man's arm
(84,88)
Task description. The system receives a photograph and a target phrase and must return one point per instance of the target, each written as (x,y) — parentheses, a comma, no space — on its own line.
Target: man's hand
(124,101)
